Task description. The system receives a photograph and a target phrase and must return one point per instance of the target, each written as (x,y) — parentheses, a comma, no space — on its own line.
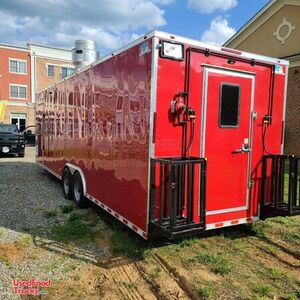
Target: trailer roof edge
(173,37)
(197,43)
(104,58)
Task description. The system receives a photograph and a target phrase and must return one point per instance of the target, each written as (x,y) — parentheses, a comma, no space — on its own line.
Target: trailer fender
(73,169)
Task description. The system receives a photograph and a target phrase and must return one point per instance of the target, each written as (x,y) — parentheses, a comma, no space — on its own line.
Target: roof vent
(84,53)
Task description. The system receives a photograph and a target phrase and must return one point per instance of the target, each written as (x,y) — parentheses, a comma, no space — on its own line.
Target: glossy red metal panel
(99,121)
(168,136)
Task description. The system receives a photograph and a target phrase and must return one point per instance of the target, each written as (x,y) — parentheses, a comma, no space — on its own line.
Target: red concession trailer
(168,134)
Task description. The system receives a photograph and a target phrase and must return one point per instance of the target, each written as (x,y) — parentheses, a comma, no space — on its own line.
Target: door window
(229,105)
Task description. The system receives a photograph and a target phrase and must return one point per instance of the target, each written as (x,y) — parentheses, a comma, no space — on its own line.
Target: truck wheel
(67,182)
(79,197)
(21,154)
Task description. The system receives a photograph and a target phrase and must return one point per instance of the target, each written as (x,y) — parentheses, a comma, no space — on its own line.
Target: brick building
(49,65)
(15,85)
(25,71)
(275,31)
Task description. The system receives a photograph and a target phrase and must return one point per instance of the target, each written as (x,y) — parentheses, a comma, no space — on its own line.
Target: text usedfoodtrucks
(172,137)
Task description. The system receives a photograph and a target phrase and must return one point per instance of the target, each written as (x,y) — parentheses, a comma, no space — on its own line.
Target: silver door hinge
(250,183)
(254,115)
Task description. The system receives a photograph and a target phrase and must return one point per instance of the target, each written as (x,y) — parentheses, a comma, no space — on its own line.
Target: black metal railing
(280,185)
(173,191)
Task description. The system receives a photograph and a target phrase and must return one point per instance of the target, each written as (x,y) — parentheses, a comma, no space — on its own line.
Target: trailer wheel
(78,195)
(67,182)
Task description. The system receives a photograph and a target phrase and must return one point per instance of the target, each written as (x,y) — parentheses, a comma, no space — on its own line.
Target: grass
(4,260)
(67,208)
(185,244)
(219,263)
(55,264)
(129,285)
(262,290)
(294,296)
(34,253)
(286,221)
(156,272)
(74,216)
(76,277)
(2,231)
(69,267)
(91,218)
(124,242)
(281,276)
(205,292)
(61,262)
(292,237)
(260,228)
(72,230)
(271,248)
(24,241)
(77,227)
(121,239)
(50,214)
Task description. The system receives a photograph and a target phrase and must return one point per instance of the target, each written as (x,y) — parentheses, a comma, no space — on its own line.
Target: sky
(114,23)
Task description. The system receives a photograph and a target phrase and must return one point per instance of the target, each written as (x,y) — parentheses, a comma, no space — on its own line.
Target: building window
(65,72)
(50,70)
(17,66)
(229,105)
(18,91)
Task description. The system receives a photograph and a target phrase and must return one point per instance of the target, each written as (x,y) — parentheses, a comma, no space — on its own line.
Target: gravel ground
(27,193)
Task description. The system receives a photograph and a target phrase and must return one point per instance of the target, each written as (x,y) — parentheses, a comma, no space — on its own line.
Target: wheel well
(74,169)
(65,168)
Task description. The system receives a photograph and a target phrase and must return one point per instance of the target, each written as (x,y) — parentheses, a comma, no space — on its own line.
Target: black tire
(78,195)
(21,154)
(67,183)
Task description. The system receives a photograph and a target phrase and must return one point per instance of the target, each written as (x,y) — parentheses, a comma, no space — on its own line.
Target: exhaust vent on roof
(84,53)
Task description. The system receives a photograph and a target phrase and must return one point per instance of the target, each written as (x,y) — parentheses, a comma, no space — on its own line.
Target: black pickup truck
(11,140)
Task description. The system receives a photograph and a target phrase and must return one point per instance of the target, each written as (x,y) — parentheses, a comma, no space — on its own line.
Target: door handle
(244,149)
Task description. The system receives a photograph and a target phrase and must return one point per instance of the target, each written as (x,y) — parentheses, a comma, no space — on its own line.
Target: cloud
(163,2)
(210,6)
(60,22)
(218,32)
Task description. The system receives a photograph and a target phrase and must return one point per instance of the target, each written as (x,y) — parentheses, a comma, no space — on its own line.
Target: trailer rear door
(227,138)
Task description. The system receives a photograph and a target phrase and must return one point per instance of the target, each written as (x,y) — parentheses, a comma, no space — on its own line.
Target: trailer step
(280,186)
(157,230)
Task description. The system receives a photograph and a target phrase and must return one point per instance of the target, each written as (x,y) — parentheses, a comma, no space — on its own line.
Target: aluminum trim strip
(197,43)
(228,69)
(226,210)
(230,223)
(47,169)
(154,71)
(284,107)
(119,217)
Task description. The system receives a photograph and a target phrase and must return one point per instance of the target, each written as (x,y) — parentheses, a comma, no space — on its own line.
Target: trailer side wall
(98,121)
